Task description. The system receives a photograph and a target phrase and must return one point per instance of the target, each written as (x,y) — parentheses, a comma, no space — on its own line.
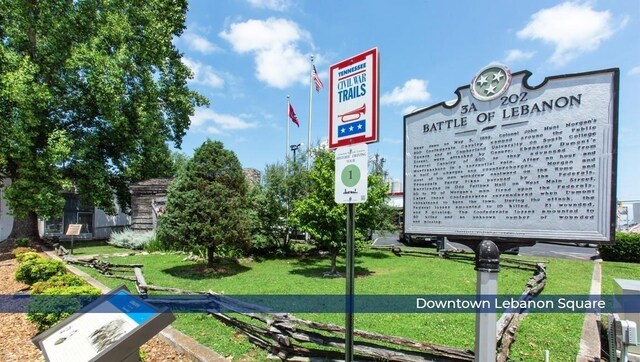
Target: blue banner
(352,128)
(333,303)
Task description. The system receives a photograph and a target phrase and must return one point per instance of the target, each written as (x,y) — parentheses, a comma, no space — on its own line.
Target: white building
(96,224)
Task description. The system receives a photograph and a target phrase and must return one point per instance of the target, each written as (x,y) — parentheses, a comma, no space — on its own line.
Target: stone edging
(178,340)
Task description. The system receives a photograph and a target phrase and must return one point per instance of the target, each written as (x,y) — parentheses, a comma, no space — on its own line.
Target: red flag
(292,115)
(316,79)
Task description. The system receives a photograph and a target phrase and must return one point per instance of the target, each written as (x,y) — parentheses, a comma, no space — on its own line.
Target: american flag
(316,79)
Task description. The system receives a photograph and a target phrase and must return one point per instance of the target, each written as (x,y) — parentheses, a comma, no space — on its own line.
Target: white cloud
(571,27)
(635,71)
(409,109)
(413,90)
(515,55)
(198,43)
(277,5)
(274,43)
(215,123)
(203,74)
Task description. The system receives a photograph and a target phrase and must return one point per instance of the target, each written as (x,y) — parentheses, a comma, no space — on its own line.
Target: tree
(326,221)
(90,93)
(280,187)
(207,203)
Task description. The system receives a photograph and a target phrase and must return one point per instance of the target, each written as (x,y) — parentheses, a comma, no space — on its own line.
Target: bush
(66,280)
(626,248)
(46,310)
(22,242)
(22,250)
(130,239)
(39,269)
(24,257)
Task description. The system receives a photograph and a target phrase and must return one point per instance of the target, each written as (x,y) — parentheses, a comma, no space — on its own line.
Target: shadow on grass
(376,255)
(321,270)
(221,269)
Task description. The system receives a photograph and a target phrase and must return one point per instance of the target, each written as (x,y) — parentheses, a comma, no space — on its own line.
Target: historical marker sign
(74,229)
(351,174)
(353,100)
(511,161)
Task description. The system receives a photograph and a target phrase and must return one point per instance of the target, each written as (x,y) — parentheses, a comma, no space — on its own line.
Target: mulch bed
(16,331)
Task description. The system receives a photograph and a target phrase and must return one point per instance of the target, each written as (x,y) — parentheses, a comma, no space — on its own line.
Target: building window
(74,212)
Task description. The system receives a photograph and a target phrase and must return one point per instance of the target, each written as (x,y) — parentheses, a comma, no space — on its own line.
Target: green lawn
(93,247)
(613,270)
(378,273)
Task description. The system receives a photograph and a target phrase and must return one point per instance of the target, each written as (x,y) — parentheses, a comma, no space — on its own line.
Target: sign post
(353,122)
(510,164)
(73,230)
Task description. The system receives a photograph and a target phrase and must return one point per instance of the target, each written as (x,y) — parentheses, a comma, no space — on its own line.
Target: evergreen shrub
(38,269)
(626,249)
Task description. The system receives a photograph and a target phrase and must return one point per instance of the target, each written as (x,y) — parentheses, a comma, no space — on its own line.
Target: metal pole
(310,106)
(286,147)
(487,267)
(350,281)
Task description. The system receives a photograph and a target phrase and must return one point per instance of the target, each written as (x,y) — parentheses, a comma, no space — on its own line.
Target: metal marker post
(350,281)
(487,266)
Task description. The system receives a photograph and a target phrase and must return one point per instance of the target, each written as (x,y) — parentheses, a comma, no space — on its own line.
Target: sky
(247,56)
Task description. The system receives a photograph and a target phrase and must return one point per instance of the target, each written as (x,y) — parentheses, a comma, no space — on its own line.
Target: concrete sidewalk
(590,340)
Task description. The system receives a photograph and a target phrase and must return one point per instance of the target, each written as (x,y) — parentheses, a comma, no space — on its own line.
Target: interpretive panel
(109,329)
(510,161)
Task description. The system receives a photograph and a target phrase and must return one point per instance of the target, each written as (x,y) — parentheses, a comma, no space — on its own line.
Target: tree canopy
(272,201)
(91,91)
(318,214)
(207,203)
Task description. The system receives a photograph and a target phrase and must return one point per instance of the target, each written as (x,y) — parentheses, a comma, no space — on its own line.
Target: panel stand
(348,334)
(487,267)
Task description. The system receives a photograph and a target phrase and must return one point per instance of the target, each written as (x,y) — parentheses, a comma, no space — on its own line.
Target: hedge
(626,249)
(38,269)
(47,308)
(66,280)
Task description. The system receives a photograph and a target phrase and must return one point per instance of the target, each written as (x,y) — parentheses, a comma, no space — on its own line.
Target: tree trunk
(334,256)
(25,227)
(211,249)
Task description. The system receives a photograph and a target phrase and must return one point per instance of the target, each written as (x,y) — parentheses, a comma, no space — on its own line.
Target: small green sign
(350,175)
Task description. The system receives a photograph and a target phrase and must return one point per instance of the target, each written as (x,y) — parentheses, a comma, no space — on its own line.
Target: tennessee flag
(292,115)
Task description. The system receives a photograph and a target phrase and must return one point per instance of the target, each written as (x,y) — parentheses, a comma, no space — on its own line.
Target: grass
(377,273)
(93,247)
(615,270)
(557,332)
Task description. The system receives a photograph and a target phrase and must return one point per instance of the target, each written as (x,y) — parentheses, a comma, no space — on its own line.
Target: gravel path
(16,331)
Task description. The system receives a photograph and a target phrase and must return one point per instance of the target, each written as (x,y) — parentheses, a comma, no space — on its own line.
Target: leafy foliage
(626,248)
(26,255)
(49,307)
(38,269)
(65,280)
(90,94)
(24,242)
(207,203)
(271,202)
(318,213)
(22,250)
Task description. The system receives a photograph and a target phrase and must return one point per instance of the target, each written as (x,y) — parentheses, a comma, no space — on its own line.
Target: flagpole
(310,107)
(286,146)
